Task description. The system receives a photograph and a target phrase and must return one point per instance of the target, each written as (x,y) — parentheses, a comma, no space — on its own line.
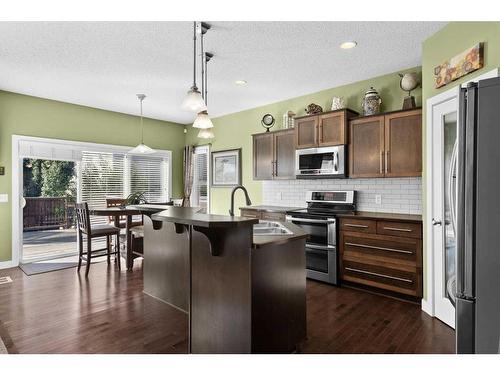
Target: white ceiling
(104,64)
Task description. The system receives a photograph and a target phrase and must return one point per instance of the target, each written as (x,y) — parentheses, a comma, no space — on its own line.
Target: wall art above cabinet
(387,145)
(325,129)
(274,155)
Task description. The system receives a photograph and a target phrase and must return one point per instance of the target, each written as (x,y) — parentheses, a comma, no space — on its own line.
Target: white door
(443,174)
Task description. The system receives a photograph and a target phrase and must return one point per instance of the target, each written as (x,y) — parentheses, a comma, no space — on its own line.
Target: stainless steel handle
(436,222)
(381,162)
(335,161)
(452,187)
(356,225)
(386,162)
(318,247)
(398,229)
(379,248)
(300,220)
(379,275)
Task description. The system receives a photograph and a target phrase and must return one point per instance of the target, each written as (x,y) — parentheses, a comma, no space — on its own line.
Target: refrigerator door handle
(460,193)
(466,192)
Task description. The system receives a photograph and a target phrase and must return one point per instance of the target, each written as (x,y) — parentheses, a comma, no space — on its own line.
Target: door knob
(436,222)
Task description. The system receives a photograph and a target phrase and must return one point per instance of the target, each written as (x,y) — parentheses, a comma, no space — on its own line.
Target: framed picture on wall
(226,168)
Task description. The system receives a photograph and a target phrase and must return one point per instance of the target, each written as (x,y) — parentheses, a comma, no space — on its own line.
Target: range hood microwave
(321,162)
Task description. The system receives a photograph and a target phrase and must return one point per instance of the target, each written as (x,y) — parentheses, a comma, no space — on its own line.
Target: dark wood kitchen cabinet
(274,155)
(382,253)
(324,129)
(366,147)
(403,144)
(388,145)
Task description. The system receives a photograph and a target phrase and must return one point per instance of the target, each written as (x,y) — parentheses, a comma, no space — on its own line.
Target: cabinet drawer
(399,229)
(381,277)
(251,213)
(279,216)
(390,250)
(358,225)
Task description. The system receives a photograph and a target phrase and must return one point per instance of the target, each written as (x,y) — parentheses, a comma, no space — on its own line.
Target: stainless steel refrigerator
(478,219)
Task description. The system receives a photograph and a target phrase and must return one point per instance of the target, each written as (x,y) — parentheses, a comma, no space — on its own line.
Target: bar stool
(94,231)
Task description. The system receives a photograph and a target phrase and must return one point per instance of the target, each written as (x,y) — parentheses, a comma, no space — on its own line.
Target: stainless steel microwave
(321,162)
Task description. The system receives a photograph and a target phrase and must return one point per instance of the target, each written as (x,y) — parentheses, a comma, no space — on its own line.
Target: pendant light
(142,149)
(194,101)
(202,120)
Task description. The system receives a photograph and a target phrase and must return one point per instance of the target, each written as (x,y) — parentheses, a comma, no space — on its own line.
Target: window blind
(199,193)
(149,175)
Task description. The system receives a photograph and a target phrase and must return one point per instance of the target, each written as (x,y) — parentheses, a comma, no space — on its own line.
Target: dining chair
(94,231)
(122,222)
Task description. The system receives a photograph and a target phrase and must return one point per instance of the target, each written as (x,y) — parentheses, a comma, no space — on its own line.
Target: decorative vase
(338,102)
(371,102)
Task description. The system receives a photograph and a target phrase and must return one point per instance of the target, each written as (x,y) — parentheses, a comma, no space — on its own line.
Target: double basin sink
(270,228)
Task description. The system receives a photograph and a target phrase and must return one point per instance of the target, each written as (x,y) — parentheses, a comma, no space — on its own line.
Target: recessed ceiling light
(348,45)
(240,82)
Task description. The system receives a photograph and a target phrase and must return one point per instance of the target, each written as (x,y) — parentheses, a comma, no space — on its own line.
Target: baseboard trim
(427,307)
(8,264)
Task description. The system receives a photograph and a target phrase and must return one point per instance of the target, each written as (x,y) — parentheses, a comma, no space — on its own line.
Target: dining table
(117,212)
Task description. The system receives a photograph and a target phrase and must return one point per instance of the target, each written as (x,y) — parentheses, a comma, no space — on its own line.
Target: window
(108,174)
(200,191)
(149,175)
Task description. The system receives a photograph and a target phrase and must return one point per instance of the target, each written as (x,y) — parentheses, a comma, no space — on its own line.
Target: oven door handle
(319,247)
(304,220)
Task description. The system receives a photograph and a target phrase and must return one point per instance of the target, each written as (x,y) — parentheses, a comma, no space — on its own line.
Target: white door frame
(56,145)
(428,304)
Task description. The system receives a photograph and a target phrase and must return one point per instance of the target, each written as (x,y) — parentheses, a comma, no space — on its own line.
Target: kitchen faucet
(249,202)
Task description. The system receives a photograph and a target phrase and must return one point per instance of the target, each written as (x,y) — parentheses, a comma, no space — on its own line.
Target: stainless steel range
(320,222)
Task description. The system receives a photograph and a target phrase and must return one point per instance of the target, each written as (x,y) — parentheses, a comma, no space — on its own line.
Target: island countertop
(192,216)
(298,233)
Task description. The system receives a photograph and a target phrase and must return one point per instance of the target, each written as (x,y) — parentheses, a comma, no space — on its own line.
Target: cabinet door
(331,129)
(263,159)
(306,132)
(366,147)
(284,155)
(403,144)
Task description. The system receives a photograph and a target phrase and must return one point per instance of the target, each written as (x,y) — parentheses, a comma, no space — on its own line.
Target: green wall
(449,41)
(234,130)
(26,115)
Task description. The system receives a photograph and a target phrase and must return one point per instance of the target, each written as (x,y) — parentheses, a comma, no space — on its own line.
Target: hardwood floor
(61,312)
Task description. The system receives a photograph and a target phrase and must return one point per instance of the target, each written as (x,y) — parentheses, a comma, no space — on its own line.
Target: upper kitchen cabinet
(263,160)
(366,147)
(387,145)
(324,129)
(403,144)
(274,155)
(306,132)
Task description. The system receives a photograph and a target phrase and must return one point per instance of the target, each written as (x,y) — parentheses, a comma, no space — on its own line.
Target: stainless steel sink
(270,228)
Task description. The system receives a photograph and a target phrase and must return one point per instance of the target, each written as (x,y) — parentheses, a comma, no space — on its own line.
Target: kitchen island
(243,293)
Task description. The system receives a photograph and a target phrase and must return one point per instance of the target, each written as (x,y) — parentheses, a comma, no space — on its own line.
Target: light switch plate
(378,199)
(4,198)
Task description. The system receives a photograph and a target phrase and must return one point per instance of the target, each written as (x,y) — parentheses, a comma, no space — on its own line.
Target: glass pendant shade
(142,149)
(206,134)
(202,121)
(194,101)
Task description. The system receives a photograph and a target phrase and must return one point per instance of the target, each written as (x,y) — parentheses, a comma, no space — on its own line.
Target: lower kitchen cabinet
(382,254)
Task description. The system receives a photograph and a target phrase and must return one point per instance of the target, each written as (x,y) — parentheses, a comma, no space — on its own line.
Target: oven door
(321,263)
(322,232)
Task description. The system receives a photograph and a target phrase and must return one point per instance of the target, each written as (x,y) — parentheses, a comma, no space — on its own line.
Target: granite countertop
(298,233)
(270,208)
(192,216)
(383,216)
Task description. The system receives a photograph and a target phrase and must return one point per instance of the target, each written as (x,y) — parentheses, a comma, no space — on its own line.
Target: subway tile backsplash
(398,195)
